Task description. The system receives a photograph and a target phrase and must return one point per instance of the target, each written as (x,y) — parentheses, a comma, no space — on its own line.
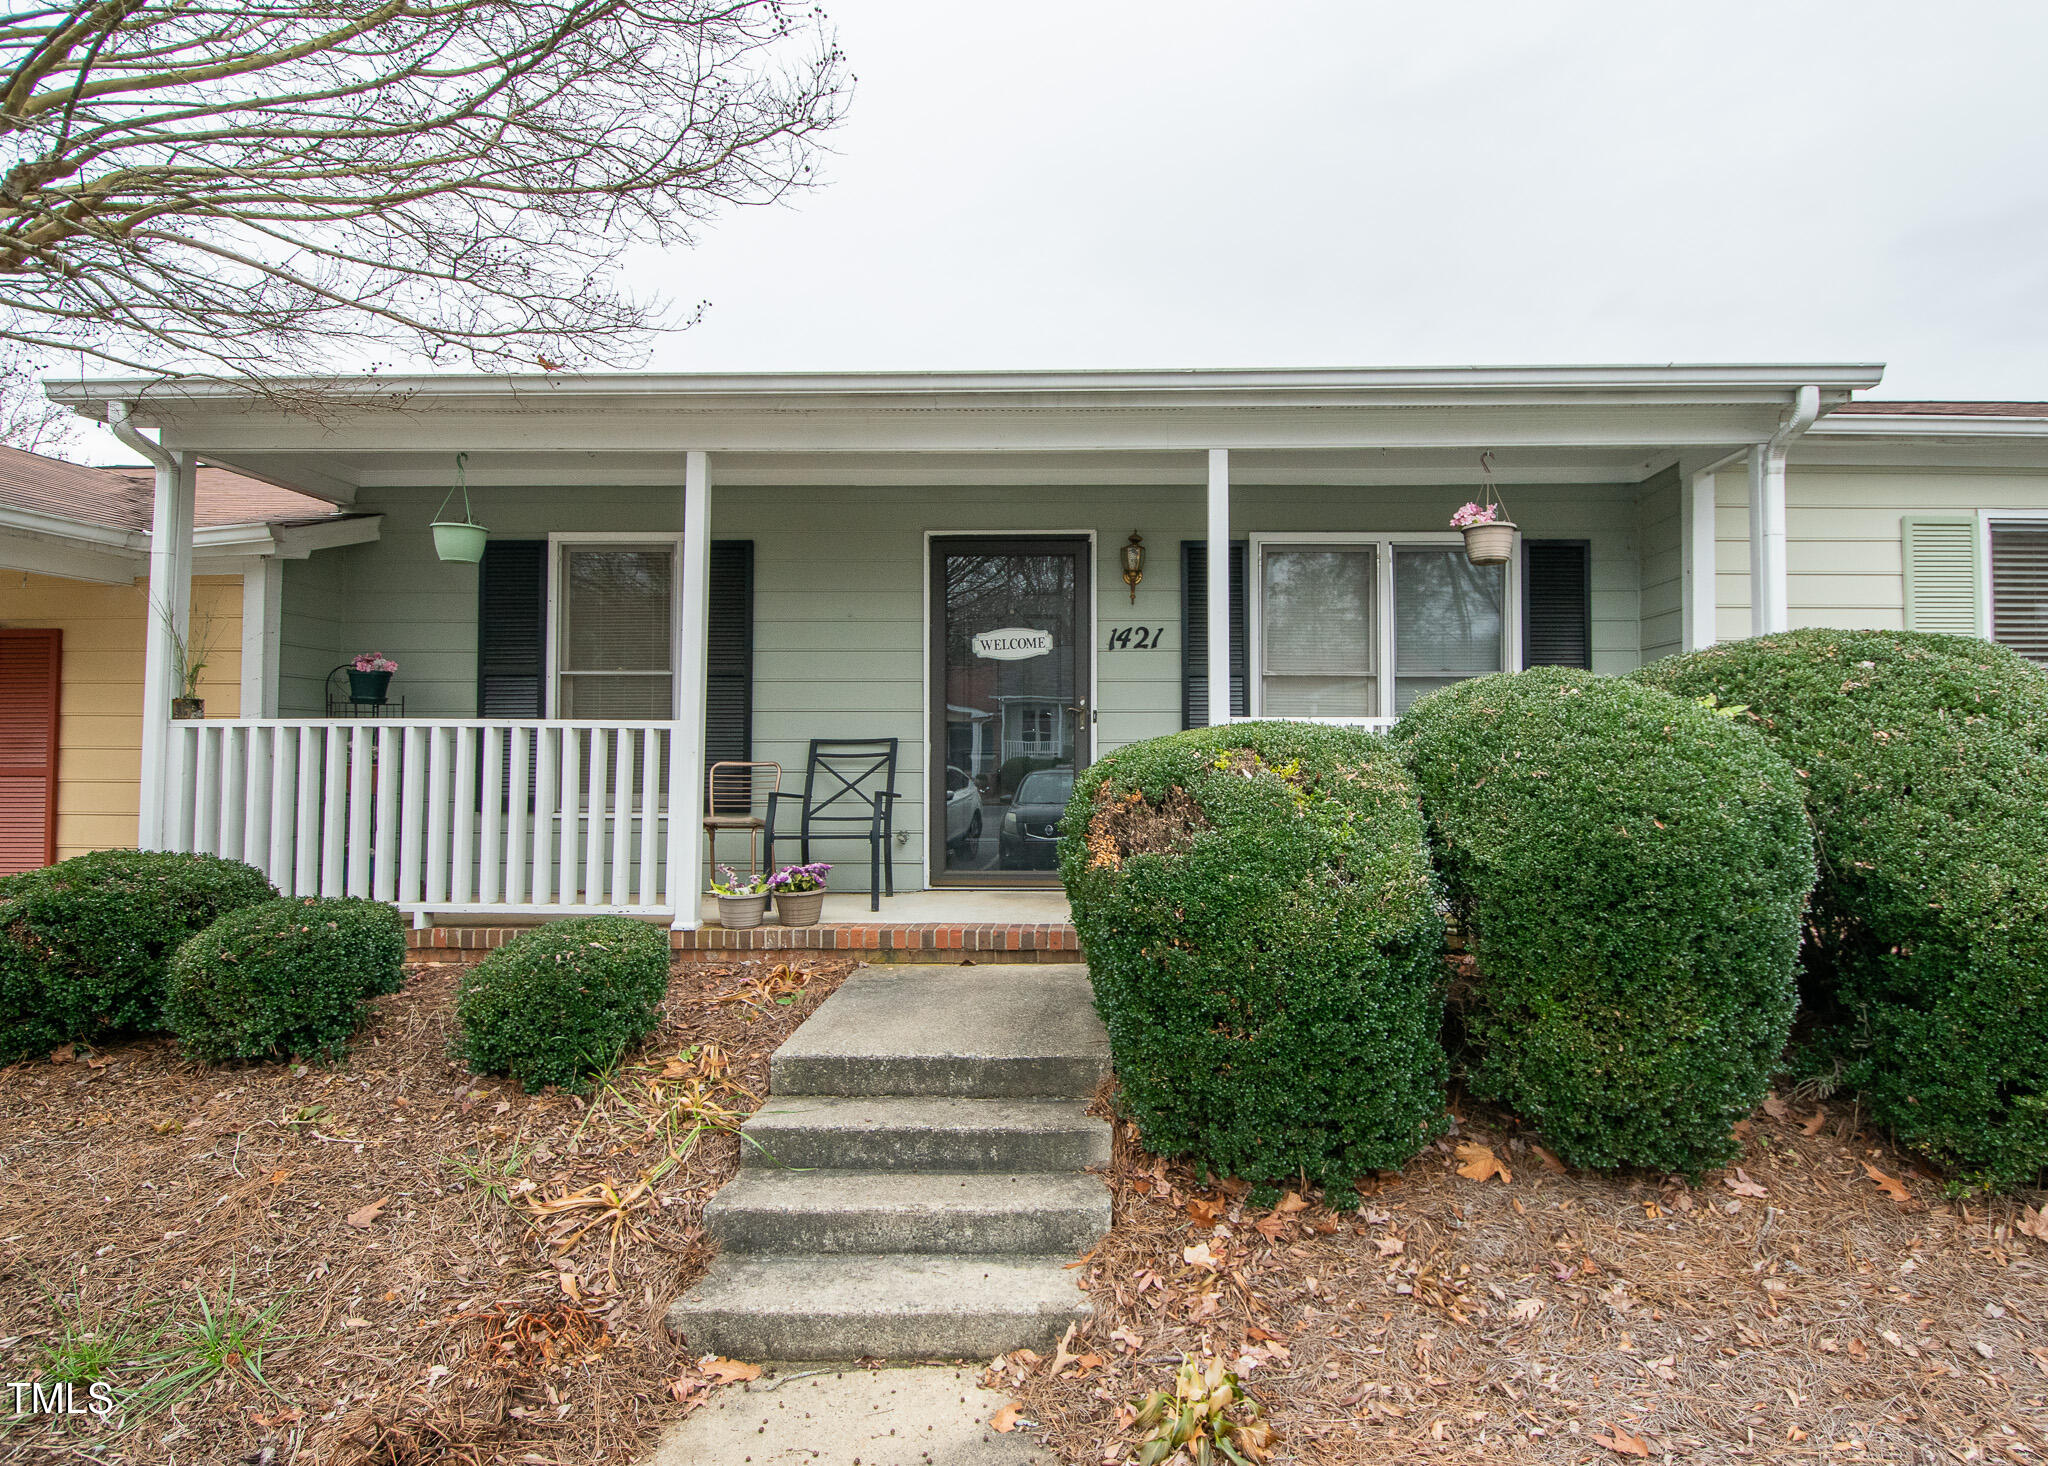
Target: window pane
(616,610)
(2019,587)
(1318,642)
(1448,622)
(624,699)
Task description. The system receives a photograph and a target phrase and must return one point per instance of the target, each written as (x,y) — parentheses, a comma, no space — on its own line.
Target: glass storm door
(1010,717)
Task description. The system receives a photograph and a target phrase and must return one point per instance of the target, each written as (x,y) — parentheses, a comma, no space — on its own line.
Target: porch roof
(1372,425)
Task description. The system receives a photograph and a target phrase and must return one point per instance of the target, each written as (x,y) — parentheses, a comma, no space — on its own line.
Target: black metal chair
(849,794)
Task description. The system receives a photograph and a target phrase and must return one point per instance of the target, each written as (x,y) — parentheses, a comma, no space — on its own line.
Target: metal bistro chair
(849,794)
(734,787)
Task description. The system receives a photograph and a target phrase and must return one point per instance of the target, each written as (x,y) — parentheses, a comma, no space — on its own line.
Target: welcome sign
(1012,644)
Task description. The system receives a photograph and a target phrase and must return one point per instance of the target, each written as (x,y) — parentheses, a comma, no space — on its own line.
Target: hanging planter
(459,541)
(1489,533)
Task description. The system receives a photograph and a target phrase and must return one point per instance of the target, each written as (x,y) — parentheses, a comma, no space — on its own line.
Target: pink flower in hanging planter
(1472,514)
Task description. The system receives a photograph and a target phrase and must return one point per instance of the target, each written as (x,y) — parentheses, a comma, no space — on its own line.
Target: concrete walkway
(800,1415)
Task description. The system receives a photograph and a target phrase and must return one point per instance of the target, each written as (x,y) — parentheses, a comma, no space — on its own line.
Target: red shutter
(29,665)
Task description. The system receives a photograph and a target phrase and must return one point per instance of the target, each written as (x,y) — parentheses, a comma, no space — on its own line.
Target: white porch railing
(449,816)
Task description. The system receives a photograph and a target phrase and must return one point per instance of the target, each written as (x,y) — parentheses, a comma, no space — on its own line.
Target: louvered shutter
(729,667)
(1194,632)
(30,667)
(1944,574)
(1557,603)
(511,630)
(2019,586)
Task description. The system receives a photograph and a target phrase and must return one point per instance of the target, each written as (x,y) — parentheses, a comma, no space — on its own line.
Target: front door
(1011,720)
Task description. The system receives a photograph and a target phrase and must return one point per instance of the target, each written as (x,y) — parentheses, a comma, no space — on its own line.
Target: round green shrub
(561,1003)
(1265,938)
(84,944)
(288,977)
(1924,760)
(1629,870)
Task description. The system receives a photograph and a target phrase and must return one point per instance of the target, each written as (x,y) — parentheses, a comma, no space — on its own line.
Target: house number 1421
(1137,638)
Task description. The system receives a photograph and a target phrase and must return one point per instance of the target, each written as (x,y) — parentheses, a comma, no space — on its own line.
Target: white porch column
(1768,592)
(686,743)
(170,620)
(1700,565)
(1219,587)
(262,610)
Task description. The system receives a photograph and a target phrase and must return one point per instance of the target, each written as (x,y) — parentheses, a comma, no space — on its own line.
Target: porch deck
(917,926)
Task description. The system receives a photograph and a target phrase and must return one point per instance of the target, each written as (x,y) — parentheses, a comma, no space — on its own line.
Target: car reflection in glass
(1030,835)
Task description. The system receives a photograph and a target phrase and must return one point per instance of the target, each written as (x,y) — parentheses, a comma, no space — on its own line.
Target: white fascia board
(156,403)
(1870,426)
(68,558)
(286,541)
(75,531)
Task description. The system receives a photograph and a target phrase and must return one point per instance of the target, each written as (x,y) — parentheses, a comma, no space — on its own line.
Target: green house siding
(839,599)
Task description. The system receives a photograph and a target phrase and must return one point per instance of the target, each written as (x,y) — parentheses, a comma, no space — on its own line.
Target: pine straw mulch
(1820,1302)
(458,1271)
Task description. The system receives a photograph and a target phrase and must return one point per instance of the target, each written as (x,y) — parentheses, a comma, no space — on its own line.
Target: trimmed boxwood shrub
(1925,764)
(1265,938)
(292,976)
(561,1003)
(1630,870)
(84,944)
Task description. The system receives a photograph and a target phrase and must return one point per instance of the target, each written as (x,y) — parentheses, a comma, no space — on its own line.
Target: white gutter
(170,616)
(1768,581)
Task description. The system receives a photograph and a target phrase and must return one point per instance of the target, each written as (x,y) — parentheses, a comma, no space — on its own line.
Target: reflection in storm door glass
(1012,724)
(1447,621)
(1318,631)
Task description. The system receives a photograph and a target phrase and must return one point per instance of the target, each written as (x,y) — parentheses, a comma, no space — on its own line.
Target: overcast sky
(1320,184)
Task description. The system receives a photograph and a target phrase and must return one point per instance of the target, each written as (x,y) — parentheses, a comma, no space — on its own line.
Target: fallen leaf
(1622,1443)
(728,1371)
(1064,1354)
(1480,1162)
(1291,1202)
(1526,1309)
(1390,1246)
(1856,1349)
(1742,1185)
(1775,1107)
(1205,1213)
(2033,1223)
(1005,1419)
(1270,1226)
(63,1053)
(1814,1123)
(1125,1339)
(1890,1185)
(1550,1162)
(1253,1331)
(1199,1255)
(363,1217)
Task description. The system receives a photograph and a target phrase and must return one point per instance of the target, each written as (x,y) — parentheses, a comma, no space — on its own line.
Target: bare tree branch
(248,187)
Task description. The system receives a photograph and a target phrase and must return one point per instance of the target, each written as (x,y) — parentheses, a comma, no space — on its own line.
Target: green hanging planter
(459,541)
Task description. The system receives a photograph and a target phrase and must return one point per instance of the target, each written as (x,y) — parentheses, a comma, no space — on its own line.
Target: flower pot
(368,686)
(459,541)
(188,707)
(801,909)
(1490,544)
(737,913)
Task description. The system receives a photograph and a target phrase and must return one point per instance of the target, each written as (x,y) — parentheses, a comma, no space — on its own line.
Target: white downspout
(169,608)
(1768,580)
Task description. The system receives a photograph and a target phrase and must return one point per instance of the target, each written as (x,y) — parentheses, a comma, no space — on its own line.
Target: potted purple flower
(369,677)
(742,899)
(1489,534)
(799,892)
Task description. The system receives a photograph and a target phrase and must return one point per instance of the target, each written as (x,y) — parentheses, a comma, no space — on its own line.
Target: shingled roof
(120,498)
(1944,409)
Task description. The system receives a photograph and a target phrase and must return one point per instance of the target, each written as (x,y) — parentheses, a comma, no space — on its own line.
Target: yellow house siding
(99,726)
(1844,558)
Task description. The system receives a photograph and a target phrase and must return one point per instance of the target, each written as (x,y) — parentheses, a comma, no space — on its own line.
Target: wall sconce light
(1134,563)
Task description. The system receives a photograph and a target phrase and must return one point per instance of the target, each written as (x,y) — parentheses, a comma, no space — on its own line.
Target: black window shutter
(1194,632)
(511,630)
(729,663)
(1557,603)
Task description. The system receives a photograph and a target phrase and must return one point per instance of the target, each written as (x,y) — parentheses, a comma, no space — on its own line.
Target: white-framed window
(1332,615)
(612,638)
(2016,557)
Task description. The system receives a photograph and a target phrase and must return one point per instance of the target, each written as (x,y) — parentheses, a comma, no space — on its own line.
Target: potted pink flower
(742,899)
(369,677)
(799,892)
(1489,534)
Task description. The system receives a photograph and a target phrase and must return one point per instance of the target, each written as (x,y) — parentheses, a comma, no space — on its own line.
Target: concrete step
(909,1211)
(1003,1031)
(878,1133)
(797,1306)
